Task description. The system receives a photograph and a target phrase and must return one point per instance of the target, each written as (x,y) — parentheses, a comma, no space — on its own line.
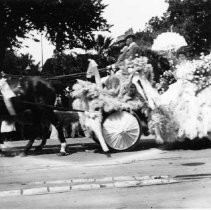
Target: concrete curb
(91,184)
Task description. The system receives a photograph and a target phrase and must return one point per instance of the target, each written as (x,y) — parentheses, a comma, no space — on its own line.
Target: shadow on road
(196,144)
(93,147)
(52,149)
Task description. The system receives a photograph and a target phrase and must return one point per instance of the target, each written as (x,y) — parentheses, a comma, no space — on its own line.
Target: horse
(69,121)
(35,96)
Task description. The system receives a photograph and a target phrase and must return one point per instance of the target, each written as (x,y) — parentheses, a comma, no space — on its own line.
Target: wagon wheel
(122,130)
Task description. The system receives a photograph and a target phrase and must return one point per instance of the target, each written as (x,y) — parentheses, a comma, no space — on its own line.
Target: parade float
(183,111)
(117,111)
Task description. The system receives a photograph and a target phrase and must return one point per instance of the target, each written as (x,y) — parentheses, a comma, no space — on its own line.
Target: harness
(7,93)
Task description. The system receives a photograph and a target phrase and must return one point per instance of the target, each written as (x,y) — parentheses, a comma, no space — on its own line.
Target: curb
(91,184)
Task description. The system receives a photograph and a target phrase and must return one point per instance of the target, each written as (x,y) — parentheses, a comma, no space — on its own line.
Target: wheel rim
(121,130)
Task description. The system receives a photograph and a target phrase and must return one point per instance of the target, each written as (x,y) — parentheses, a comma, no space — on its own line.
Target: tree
(190,18)
(144,38)
(66,23)
(102,44)
(60,64)
(63,64)
(19,64)
(157,25)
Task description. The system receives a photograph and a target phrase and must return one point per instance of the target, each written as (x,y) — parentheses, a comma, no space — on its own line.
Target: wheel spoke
(121,130)
(118,142)
(134,132)
(128,135)
(112,139)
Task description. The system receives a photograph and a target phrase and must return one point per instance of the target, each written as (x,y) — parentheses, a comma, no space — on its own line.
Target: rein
(3,75)
(48,106)
(51,78)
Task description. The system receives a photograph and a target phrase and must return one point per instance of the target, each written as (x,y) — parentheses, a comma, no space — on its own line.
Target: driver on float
(130,50)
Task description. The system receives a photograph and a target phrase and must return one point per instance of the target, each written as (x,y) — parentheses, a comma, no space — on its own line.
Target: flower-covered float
(184,110)
(114,111)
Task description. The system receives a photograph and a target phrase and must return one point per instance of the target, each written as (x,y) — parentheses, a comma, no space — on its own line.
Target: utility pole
(41,52)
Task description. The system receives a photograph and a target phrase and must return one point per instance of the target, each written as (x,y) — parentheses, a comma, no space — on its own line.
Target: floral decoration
(140,64)
(201,75)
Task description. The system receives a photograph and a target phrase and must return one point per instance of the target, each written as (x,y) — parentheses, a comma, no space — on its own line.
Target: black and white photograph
(105,104)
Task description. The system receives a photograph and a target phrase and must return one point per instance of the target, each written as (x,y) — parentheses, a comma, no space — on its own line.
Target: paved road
(186,167)
(183,195)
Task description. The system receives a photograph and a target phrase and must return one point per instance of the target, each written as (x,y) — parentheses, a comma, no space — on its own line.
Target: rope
(53,77)
(73,75)
(49,106)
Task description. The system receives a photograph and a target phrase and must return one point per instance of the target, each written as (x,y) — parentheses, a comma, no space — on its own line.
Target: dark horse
(33,96)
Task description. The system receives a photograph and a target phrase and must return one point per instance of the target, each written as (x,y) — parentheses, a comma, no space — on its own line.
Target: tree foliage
(102,44)
(144,38)
(190,18)
(20,64)
(66,23)
(63,64)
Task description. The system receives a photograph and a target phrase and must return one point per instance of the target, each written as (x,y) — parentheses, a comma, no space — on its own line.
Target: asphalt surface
(87,168)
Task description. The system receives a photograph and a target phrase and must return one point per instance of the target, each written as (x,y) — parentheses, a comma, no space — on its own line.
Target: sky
(123,14)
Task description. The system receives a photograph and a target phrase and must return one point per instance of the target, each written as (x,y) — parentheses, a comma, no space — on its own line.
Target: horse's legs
(44,137)
(2,153)
(73,130)
(1,143)
(27,147)
(31,141)
(41,145)
(35,129)
(58,126)
(54,121)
